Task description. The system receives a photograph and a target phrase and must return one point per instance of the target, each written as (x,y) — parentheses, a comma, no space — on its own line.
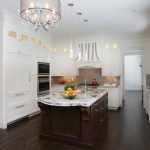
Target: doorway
(133,72)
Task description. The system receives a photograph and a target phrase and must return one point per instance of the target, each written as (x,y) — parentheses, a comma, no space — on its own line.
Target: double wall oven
(43,78)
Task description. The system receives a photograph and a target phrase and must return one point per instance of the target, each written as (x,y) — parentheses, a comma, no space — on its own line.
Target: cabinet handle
(29,77)
(96,110)
(19,94)
(20,106)
(101,120)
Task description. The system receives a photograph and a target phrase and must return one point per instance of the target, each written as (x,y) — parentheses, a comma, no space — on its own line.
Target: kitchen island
(73,121)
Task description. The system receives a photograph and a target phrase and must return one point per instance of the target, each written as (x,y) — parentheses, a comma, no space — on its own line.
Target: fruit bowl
(68,96)
(70,91)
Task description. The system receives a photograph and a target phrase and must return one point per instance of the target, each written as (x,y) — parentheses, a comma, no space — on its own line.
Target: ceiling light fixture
(79,54)
(71,50)
(45,13)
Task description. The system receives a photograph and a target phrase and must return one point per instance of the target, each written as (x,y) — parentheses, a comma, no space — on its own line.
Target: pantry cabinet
(17,85)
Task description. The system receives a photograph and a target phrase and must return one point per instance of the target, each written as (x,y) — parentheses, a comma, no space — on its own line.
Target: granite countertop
(84,98)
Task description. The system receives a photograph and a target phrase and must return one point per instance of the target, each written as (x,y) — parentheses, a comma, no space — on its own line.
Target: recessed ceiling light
(71,4)
(85,20)
(79,13)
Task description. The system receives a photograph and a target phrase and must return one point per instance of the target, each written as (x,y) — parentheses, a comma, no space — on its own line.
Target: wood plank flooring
(126,129)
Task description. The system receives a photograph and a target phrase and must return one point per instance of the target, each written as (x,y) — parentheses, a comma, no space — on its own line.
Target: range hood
(89,64)
(88,55)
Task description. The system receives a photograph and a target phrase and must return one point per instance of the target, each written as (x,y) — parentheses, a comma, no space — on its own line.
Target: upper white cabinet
(62,65)
(111,62)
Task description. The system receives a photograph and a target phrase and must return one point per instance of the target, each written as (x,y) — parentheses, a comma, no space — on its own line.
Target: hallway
(126,129)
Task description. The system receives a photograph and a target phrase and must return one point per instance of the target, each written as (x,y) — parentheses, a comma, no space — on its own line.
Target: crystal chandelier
(45,13)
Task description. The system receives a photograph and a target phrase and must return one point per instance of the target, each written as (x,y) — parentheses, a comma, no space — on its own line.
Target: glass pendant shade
(45,13)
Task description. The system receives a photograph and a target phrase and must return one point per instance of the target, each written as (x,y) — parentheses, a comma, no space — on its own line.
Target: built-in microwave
(43,85)
(43,68)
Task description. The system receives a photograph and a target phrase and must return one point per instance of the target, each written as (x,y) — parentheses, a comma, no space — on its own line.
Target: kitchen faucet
(85,83)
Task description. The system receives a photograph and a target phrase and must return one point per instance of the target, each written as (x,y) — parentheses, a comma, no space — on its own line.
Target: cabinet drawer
(17,98)
(17,111)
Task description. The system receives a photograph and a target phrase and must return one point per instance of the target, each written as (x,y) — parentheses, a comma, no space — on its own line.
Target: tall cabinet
(17,80)
(19,49)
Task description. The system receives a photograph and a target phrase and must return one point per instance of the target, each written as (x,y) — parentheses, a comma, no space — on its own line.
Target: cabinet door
(115,101)
(24,48)
(23,73)
(109,98)
(115,62)
(12,62)
(12,44)
(106,62)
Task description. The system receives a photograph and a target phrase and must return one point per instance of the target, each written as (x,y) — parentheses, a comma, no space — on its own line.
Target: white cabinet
(114,98)
(17,111)
(111,62)
(146,100)
(17,85)
(62,65)
(17,73)
(12,74)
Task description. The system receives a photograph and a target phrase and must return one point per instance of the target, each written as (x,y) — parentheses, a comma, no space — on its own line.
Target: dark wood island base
(76,125)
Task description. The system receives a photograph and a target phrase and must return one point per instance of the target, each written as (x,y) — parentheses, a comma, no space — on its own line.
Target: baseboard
(3,126)
(35,113)
(113,108)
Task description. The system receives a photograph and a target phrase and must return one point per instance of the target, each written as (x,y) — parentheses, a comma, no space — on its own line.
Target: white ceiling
(106,17)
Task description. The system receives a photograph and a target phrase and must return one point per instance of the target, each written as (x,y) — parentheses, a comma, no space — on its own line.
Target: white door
(12,75)
(133,72)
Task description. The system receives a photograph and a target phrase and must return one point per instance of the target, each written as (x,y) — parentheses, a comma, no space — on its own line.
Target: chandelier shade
(45,13)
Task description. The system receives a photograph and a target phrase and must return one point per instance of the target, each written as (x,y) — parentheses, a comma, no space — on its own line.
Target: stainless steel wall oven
(43,85)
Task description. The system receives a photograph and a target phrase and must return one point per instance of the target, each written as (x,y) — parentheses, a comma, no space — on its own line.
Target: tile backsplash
(75,79)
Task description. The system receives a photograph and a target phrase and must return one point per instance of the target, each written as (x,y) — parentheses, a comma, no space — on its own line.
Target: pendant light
(71,49)
(86,44)
(79,53)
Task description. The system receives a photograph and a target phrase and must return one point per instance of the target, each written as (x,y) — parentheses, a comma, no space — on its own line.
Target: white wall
(1,76)
(133,72)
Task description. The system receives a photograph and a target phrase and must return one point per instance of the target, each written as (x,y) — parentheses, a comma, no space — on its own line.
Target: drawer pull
(20,106)
(19,94)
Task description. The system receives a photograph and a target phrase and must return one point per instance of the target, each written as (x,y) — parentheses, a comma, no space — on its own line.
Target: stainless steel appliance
(43,68)
(43,85)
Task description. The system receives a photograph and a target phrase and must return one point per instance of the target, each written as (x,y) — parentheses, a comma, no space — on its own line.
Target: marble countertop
(84,98)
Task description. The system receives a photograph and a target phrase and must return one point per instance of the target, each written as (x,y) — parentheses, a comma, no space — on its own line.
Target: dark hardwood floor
(126,129)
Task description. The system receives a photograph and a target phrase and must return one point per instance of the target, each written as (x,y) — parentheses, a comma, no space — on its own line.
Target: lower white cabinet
(114,98)
(17,111)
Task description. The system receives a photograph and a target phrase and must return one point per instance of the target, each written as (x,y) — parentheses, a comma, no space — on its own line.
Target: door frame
(133,51)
